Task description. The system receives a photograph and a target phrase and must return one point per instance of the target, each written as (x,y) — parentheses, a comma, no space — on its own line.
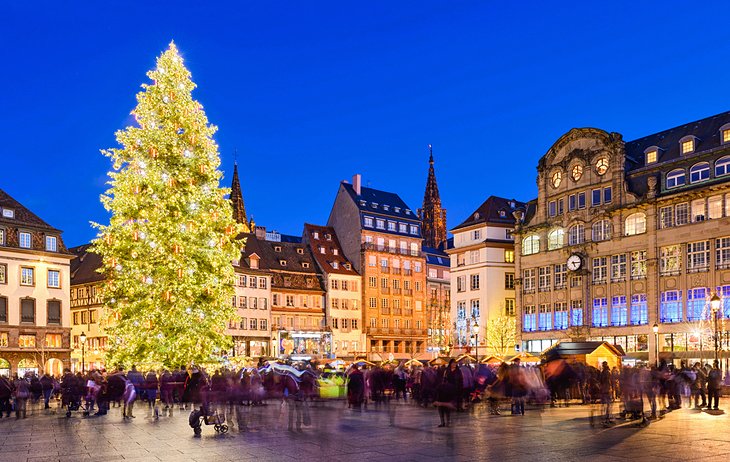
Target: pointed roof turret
(239,210)
(432,215)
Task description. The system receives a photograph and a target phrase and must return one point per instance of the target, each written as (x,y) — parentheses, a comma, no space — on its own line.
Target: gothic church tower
(432,215)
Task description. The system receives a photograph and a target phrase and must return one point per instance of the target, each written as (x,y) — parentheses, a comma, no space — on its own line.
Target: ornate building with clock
(627,242)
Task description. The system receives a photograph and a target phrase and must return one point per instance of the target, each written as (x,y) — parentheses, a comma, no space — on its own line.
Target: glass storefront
(305,344)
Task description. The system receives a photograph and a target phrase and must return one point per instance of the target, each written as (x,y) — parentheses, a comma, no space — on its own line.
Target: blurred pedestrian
(714,385)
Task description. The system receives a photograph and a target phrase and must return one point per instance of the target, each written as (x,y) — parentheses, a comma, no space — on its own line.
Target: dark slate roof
(436,257)
(326,259)
(563,349)
(291,239)
(252,246)
(375,196)
(706,130)
(84,267)
(23,216)
(273,252)
(488,212)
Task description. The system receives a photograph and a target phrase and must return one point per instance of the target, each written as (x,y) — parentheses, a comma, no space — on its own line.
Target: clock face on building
(574,262)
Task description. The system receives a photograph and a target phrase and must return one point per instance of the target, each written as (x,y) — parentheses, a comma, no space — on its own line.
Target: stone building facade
(627,235)
(86,310)
(35,324)
(382,238)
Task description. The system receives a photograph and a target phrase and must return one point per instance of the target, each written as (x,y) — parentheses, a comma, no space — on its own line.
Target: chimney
(357,183)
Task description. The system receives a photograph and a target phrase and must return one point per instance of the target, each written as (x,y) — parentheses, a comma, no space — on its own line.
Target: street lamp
(475,329)
(656,343)
(82,337)
(715,302)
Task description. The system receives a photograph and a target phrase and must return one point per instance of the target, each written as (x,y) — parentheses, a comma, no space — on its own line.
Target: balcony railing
(385,290)
(396,270)
(408,291)
(385,269)
(396,291)
(392,250)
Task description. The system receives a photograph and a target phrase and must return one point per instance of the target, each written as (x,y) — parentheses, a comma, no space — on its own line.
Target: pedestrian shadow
(714,411)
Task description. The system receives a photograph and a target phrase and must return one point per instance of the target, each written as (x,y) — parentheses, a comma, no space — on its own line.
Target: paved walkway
(397,433)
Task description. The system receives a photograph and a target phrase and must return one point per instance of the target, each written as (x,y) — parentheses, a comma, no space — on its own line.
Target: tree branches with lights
(168,247)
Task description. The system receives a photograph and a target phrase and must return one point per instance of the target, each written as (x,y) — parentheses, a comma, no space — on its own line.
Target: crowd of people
(451,387)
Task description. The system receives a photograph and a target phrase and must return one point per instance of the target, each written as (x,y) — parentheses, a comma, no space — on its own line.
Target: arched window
(601,230)
(676,178)
(577,172)
(699,172)
(635,224)
(576,234)
(722,166)
(556,239)
(602,165)
(557,178)
(530,245)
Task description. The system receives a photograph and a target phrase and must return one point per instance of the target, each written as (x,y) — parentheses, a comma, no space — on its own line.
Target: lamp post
(475,329)
(656,343)
(82,338)
(715,302)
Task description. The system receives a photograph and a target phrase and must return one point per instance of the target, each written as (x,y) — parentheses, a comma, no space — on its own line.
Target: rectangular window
(581,200)
(544,278)
(561,272)
(638,264)
(53,340)
(263,303)
(51,243)
(53,308)
(666,217)
(576,281)
(262,283)
(475,308)
(552,208)
(600,312)
(27,276)
(681,214)
(561,316)
(698,256)
(474,282)
(670,309)
(3,310)
(27,310)
(651,156)
(722,253)
(698,210)
(2,236)
(252,282)
(253,323)
(289,300)
(509,256)
(54,278)
(380,224)
(714,207)
(618,267)
(253,303)
(26,341)
(576,312)
(3,273)
(372,282)
(619,311)
(599,270)
(391,226)
(368,221)
(473,257)
(263,324)
(477,235)
(670,259)
(572,203)
(607,195)
(528,280)
(509,281)
(529,323)
(696,301)
(639,310)
(509,306)
(595,197)
(372,260)
(24,240)
(560,206)
(545,318)
(242,280)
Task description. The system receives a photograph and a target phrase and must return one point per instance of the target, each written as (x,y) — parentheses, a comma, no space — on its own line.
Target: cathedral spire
(239,210)
(432,215)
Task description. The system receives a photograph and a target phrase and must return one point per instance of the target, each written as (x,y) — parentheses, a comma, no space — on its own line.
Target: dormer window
(725,134)
(315,235)
(396,209)
(277,248)
(363,203)
(24,240)
(300,251)
(687,144)
(335,265)
(253,262)
(374,205)
(408,211)
(282,262)
(322,249)
(386,207)
(328,237)
(335,252)
(8,213)
(652,155)
(348,266)
(51,243)
(476,215)
(305,264)
(502,213)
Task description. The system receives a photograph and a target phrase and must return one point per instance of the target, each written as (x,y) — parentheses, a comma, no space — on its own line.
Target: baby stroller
(206,416)
(634,410)
(72,398)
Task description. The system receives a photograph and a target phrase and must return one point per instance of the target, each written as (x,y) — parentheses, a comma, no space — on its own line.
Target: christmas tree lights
(168,248)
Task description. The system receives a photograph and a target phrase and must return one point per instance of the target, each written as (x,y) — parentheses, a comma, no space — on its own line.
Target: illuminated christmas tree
(168,248)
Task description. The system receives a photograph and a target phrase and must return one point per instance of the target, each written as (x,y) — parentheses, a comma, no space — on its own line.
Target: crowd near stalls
(502,385)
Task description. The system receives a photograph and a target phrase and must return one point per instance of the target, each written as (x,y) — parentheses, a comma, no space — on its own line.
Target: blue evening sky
(310,93)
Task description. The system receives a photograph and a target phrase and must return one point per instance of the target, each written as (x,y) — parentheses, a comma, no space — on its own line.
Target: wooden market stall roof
(525,358)
(590,353)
